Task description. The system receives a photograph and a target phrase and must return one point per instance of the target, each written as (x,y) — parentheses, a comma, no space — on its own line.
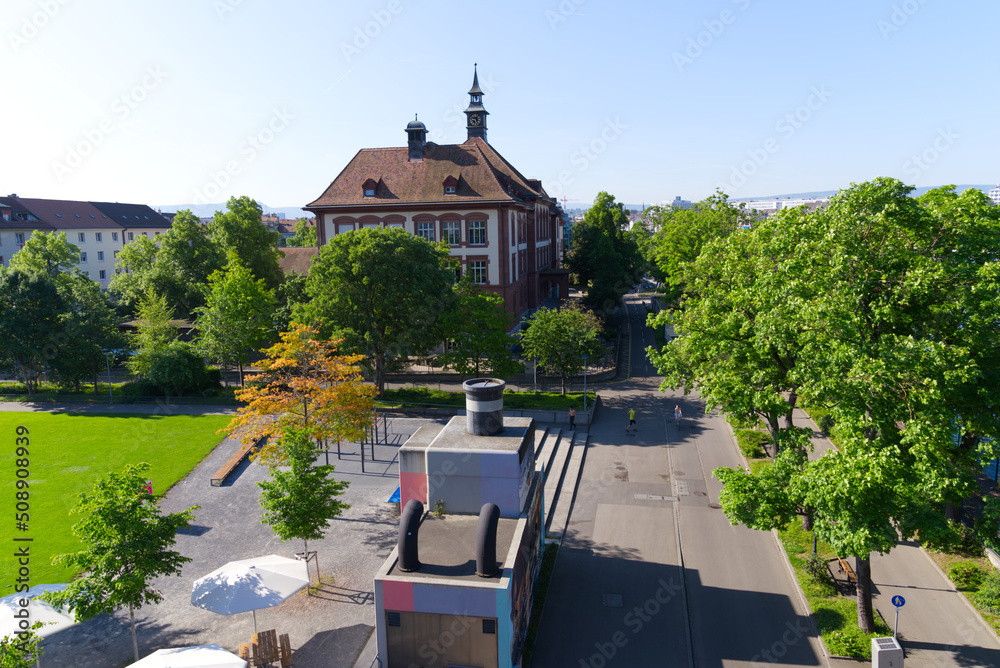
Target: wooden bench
(286,650)
(845,567)
(234,461)
(264,646)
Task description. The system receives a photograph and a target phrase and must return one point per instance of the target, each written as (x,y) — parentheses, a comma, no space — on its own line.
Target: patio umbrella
(202,656)
(40,611)
(249,585)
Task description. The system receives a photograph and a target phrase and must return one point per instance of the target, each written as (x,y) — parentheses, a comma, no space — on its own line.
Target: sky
(194,101)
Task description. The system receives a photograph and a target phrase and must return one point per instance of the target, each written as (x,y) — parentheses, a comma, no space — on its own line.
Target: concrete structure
(448,608)
(505,231)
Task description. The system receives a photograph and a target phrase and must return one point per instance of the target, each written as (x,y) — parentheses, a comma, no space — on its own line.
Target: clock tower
(476,114)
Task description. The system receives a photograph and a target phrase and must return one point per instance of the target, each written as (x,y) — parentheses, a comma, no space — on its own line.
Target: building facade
(504,230)
(99,229)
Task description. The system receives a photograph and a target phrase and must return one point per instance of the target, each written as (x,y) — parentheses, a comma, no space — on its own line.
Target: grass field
(67,453)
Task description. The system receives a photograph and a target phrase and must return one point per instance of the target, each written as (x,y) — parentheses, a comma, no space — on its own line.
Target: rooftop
(447,548)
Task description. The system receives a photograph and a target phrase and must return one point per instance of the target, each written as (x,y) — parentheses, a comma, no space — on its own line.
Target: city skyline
(193,104)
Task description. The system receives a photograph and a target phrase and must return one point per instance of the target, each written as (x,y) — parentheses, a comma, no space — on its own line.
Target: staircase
(560,455)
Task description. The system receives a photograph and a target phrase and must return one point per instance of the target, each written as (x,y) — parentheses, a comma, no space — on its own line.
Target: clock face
(475,119)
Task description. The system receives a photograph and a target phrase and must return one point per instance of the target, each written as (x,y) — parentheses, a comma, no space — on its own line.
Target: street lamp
(585,382)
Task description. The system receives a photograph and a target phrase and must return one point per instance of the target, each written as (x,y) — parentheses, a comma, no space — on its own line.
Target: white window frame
(479,231)
(100,256)
(98,236)
(83,257)
(81,237)
(425,229)
(476,270)
(450,227)
(114,236)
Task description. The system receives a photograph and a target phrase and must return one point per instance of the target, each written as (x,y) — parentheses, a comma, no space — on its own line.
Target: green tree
(240,228)
(154,330)
(177,368)
(560,338)
(89,331)
(22,649)
(883,299)
(300,502)
(237,318)
(126,544)
(305,234)
(605,257)
(382,290)
(47,254)
(679,235)
(176,269)
(476,331)
(31,309)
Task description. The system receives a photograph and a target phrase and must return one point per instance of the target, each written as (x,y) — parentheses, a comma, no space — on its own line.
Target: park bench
(845,568)
(234,461)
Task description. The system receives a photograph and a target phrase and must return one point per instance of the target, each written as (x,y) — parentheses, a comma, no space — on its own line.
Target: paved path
(928,640)
(651,573)
(328,629)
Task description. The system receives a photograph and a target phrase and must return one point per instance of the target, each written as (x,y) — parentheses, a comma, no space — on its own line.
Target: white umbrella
(202,656)
(249,585)
(38,611)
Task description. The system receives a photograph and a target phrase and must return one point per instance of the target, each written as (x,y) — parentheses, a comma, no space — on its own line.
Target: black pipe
(486,540)
(409,524)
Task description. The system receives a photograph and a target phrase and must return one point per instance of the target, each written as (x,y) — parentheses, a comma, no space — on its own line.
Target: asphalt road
(651,573)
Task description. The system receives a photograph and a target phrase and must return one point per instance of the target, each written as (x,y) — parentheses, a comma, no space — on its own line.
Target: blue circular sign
(898,601)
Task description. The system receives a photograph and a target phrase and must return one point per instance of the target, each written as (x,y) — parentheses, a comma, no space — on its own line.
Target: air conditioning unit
(886,653)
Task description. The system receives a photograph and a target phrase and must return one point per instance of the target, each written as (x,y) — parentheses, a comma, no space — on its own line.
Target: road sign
(898,601)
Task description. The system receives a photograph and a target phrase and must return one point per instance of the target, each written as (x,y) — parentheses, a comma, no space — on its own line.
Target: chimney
(486,540)
(416,138)
(409,524)
(484,406)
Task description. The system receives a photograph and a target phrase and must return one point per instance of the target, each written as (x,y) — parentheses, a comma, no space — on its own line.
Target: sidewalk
(937,626)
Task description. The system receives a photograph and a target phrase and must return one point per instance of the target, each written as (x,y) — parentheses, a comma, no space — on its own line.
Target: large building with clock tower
(503,228)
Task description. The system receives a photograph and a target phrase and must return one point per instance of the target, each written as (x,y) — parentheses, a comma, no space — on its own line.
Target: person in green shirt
(631,421)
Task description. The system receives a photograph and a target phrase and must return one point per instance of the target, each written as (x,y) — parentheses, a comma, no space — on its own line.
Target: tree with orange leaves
(303,384)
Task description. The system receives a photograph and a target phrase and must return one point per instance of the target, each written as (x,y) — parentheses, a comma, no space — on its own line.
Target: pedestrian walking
(631,421)
(572,417)
(677,416)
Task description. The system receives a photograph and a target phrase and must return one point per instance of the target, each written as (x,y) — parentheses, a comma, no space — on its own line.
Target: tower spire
(476,114)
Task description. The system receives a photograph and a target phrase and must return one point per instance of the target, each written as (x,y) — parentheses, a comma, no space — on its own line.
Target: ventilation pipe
(486,540)
(409,524)
(484,406)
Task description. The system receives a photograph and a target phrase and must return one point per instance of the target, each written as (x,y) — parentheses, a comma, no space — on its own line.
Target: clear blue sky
(172,102)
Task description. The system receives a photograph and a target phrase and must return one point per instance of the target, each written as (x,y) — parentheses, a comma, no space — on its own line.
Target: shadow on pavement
(962,655)
(337,648)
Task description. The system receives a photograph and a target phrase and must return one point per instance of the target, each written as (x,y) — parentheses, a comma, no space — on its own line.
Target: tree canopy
(560,338)
(239,228)
(305,234)
(476,330)
(880,307)
(383,290)
(305,385)
(604,256)
(126,544)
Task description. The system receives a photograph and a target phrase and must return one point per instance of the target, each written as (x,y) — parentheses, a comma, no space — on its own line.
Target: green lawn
(68,453)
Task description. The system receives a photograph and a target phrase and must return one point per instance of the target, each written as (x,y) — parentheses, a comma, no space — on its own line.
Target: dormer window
(368,188)
(450,185)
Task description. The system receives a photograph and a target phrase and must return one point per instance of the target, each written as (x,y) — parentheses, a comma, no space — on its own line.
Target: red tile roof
(482,173)
(68,214)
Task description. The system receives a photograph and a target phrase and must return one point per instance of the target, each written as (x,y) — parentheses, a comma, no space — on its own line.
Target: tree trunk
(952,511)
(379,373)
(773,429)
(792,399)
(241,375)
(863,571)
(131,621)
(807,521)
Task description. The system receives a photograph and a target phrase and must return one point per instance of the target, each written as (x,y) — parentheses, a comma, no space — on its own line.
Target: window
(114,236)
(118,271)
(98,236)
(145,234)
(450,232)
(103,274)
(116,255)
(157,234)
(449,190)
(100,256)
(81,237)
(131,236)
(83,256)
(19,238)
(477,232)
(426,230)
(477,270)
(369,192)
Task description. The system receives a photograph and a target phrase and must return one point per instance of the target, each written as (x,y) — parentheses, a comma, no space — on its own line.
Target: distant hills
(917,192)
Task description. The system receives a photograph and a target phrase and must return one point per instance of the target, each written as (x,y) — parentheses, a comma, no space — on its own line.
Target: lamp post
(585,357)
(107,362)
